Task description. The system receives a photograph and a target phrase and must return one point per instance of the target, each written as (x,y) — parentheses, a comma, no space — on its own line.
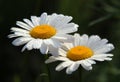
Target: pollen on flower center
(43,31)
(79,53)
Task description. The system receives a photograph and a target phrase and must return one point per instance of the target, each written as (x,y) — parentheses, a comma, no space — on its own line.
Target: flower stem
(45,75)
(47,68)
(80,74)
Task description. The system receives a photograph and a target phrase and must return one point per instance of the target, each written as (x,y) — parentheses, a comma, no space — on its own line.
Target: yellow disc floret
(79,53)
(43,31)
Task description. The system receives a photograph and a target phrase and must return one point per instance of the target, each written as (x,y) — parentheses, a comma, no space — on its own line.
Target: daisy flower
(40,32)
(83,50)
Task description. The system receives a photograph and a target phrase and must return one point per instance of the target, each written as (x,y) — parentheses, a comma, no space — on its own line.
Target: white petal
(98,59)
(86,63)
(63,65)
(68,28)
(55,20)
(53,51)
(64,38)
(70,39)
(62,21)
(22,34)
(99,44)
(101,57)
(23,25)
(14,29)
(48,42)
(90,61)
(62,52)
(12,35)
(68,71)
(56,43)
(64,48)
(60,37)
(68,45)
(37,43)
(50,18)
(93,41)
(18,34)
(21,41)
(53,15)
(29,45)
(33,44)
(28,22)
(108,59)
(44,48)
(50,59)
(43,18)
(86,67)
(84,39)
(59,20)
(35,20)
(60,58)
(93,38)
(65,19)
(104,49)
(72,68)
(77,39)
(57,58)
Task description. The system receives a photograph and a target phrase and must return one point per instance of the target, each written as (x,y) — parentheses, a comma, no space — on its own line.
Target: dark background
(98,17)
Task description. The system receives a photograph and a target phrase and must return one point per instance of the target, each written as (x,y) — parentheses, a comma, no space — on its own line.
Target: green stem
(80,74)
(47,68)
(45,75)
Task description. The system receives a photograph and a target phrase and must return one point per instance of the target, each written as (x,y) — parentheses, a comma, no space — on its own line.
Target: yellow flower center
(43,31)
(79,53)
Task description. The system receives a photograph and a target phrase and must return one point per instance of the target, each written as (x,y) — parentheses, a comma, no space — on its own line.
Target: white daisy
(82,51)
(40,32)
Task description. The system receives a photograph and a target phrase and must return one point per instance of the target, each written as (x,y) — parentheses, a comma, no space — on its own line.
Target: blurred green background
(95,17)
